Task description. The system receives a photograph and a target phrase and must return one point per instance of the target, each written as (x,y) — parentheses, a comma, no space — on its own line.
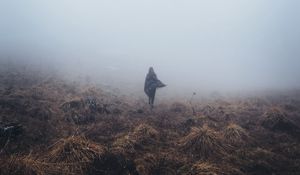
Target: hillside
(53,126)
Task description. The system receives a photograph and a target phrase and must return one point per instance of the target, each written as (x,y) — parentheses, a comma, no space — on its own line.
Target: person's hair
(151,70)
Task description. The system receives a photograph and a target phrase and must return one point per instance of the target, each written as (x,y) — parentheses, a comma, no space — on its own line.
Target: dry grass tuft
(206,168)
(276,120)
(235,135)
(145,132)
(74,149)
(158,164)
(202,143)
(262,161)
(28,165)
(124,145)
(143,135)
(145,163)
(273,117)
(74,154)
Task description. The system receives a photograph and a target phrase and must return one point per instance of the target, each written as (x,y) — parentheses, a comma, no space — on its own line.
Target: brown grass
(145,163)
(28,165)
(144,133)
(275,119)
(72,155)
(124,145)
(158,164)
(142,136)
(235,135)
(123,136)
(207,168)
(203,143)
(75,153)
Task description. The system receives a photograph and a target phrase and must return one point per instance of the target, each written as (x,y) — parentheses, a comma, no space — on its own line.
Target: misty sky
(209,44)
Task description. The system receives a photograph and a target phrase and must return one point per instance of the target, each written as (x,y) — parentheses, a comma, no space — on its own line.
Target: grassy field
(71,128)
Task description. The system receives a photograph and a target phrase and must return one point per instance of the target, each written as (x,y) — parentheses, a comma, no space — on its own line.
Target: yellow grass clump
(204,168)
(145,132)
(28,165)
(202,143)
(74,154)
(124,145)
(235,135)
(142,135)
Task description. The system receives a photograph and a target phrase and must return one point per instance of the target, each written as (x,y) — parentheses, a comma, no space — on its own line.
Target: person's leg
(151,100)
(150,97)
(153,96)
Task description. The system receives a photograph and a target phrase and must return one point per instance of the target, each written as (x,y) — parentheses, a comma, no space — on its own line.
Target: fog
(194,46)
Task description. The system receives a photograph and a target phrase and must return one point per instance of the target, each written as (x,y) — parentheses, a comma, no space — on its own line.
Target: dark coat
(151,83)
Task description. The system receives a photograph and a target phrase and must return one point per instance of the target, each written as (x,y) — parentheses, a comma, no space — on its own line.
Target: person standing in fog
(151,83)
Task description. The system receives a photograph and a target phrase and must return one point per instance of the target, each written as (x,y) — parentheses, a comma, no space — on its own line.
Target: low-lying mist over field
(78,94)
(194,46)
